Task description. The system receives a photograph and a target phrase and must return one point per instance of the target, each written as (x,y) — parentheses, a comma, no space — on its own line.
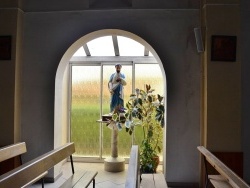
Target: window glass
(129,47)
(102,46)
(80,52)
(85,109)
(147,74)
(125,141)
(91,97)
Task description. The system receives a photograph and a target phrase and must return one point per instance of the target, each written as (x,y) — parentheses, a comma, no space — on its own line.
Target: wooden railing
(227,177)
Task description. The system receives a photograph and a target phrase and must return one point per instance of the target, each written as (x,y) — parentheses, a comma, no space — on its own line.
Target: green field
(86,109)
(85,132)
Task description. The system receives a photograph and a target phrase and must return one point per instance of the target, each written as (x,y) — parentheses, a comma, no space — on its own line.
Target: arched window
(90,69)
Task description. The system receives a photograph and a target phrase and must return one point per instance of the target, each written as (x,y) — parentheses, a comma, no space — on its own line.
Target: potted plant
(146,110)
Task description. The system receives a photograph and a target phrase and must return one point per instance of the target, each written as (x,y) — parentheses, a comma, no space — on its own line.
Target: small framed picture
(223,48)
(5,47)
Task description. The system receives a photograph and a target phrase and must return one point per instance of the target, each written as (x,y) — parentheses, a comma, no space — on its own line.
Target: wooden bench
(133,174)
(13,150)
(226,178)
(29,171)
(135,179)
(16,150)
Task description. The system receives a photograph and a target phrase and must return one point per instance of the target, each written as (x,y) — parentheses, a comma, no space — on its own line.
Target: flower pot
(151,167)
(156,160)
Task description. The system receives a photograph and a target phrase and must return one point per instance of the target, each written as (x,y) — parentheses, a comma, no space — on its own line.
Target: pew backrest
(34,168)
(232,178)
(13,150)
(133,174)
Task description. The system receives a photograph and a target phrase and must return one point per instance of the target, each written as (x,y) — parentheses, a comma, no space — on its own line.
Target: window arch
(61,129)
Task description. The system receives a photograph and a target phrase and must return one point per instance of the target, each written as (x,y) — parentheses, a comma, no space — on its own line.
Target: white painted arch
(61,84)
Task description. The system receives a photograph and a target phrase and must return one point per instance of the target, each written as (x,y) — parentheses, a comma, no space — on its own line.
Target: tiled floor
(104,179)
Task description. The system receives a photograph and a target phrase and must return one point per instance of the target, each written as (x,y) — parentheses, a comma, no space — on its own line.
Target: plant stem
(143,132)
(157,140)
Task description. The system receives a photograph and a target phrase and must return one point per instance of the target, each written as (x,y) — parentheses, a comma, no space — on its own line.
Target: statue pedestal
(113,163)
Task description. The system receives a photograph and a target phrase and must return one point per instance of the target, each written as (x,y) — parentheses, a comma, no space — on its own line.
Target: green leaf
(148,87)
(151,91)
(142,93)
(140,101)
(115,117)
(130,116)
(135,102)
(150,99)
(161,107)
(159,149)
(150,133)
(158,117)
(160,98)
(139,110)
(139,115)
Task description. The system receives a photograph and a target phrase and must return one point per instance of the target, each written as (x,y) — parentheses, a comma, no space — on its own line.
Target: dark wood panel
(230,176)
(7,165)
(234,160)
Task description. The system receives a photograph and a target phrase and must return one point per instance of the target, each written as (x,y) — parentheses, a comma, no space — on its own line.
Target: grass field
(85,132)
(85,107)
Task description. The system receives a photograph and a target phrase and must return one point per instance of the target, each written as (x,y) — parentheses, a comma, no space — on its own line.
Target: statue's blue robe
(116,98)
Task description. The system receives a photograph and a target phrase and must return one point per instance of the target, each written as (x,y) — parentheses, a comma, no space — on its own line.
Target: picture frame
(5,47)
(223,48)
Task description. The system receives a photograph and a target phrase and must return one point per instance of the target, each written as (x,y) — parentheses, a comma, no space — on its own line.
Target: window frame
(96,61)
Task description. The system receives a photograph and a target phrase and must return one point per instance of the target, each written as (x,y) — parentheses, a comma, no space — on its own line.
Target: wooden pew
(226,179)
(153,181)
(135,179)
(13,150)
(34,168)
(16,150)
(133,174)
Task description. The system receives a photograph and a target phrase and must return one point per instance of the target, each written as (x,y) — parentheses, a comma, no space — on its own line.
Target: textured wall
(8,19)
(170,32)
(65,5)
(223,82)
(245,39)
(48,34)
